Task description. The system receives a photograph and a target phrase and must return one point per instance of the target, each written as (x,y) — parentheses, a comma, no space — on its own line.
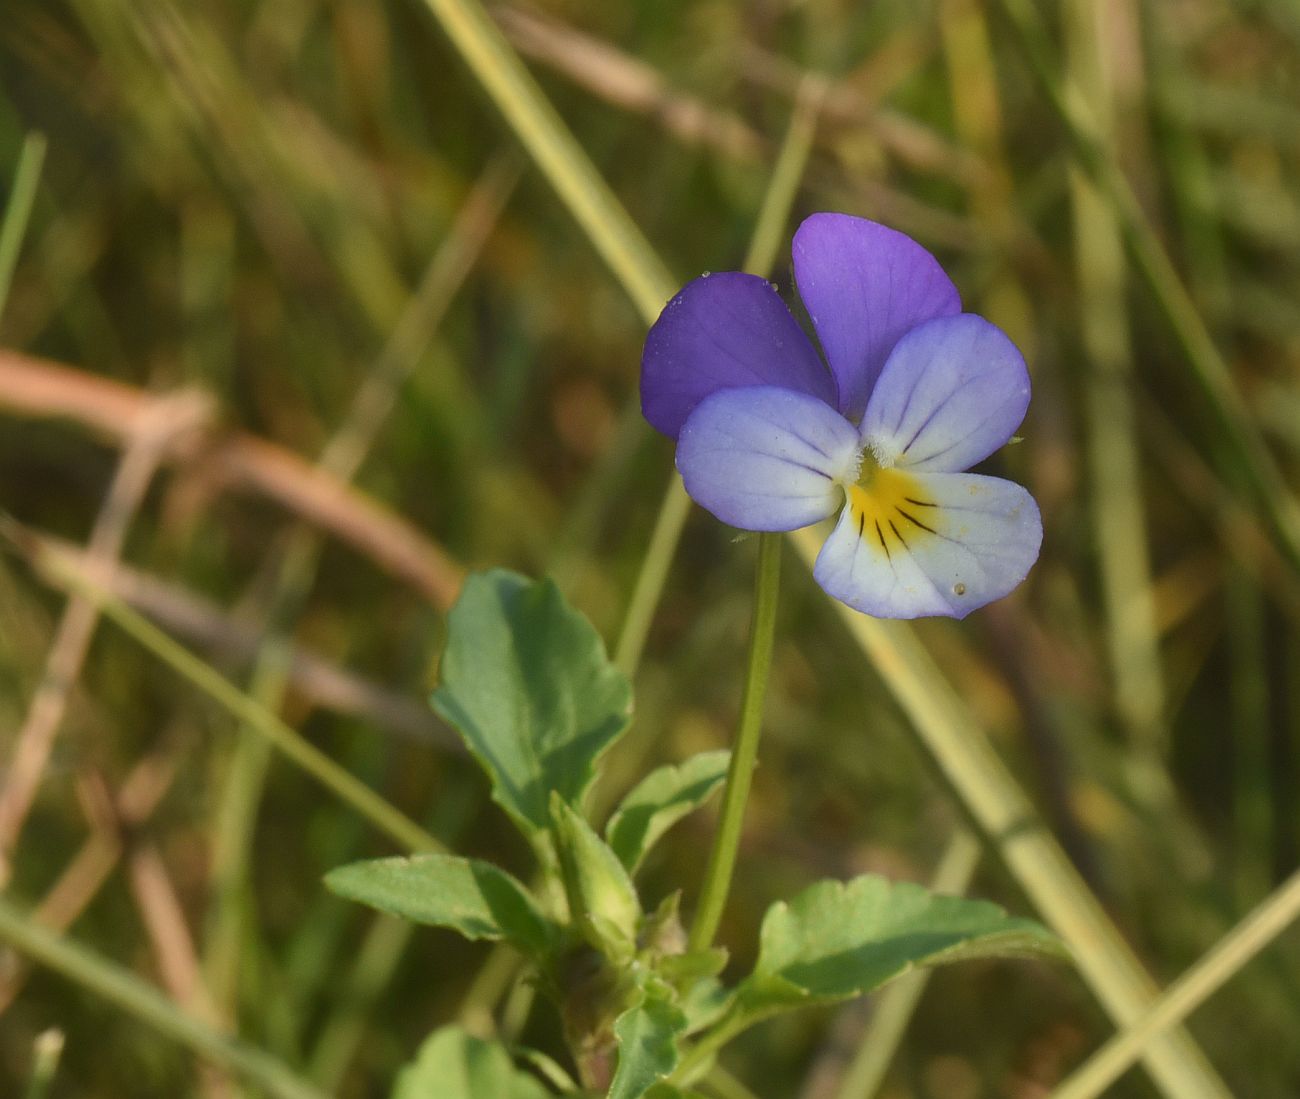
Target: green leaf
(842,939)
(454,1065)
(599,888)
(475,898)
(704,1003)
(647,1046)
(659,801)
(526,681)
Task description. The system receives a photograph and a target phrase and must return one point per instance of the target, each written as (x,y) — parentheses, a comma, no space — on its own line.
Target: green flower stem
(744,753)
(346,786)
(128,992)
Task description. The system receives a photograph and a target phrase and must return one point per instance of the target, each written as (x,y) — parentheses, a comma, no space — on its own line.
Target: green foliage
(705,1002)
(474,898)
(659,801)
(601,895)
(454,1065)
(526,681)
(539,734)
(647,1046)
(836,940)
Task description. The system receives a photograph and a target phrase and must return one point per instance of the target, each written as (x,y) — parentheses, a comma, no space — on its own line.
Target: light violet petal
(865,285)
(953,391)
(724,331)
(919,544)
(765,458)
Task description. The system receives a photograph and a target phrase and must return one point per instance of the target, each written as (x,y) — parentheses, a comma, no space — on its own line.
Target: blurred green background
(267,237)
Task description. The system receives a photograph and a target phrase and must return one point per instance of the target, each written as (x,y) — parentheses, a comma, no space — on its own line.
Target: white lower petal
(917,544)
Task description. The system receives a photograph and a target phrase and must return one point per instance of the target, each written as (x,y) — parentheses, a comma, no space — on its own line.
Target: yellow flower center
(890,508)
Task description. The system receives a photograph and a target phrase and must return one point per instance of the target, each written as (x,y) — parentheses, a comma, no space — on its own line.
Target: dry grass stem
(236,461)
(139,795)
(230,636)
(629,83)
(169,419)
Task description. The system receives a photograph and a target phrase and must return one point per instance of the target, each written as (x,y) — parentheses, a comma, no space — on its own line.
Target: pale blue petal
(766,458)
(864,286)
(955,542)
(953,391)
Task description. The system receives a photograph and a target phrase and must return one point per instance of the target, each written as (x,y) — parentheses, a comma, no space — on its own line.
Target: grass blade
(125,990)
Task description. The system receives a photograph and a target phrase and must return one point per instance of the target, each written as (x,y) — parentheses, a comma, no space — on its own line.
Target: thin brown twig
(139,795)
(236,461)
(912,142)
(151,886)
(629,83)
(164,920)
(152,890)
(170,418)
(392,543)
(160,910)
(173,948)
(319,681)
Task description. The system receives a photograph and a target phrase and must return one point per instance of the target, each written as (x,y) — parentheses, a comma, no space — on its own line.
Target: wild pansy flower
(917,392)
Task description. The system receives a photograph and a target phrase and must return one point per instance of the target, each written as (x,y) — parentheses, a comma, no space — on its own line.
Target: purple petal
(864,286)
(922,544)
(724,331)
(953,391)
(765,458)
